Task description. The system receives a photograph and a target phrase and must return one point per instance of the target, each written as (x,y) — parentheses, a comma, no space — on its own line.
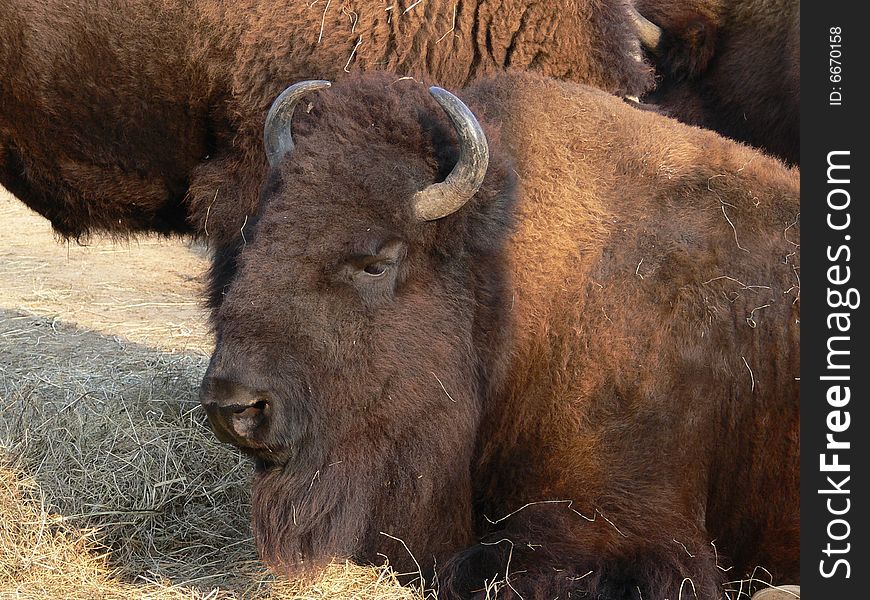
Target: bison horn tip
(277,136)
(649,33)
(441,199)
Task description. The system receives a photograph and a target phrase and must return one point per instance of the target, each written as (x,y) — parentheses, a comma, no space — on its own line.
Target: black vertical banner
(835,353)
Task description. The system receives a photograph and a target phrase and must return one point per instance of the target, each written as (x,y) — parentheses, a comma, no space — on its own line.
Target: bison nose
(237,413)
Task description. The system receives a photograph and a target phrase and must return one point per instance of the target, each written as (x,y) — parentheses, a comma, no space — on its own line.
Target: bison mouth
(263,463)
(268,459)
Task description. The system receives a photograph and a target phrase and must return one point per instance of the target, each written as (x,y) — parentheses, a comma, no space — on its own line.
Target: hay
(111,483)
(113,433)
(347,581)
(43,556)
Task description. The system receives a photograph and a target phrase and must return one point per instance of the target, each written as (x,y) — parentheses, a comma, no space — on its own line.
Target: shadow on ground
(113,433)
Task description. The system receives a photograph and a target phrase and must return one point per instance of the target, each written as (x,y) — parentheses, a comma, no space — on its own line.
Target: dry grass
(111,483)
(43,556)
(346,581)
(114,435)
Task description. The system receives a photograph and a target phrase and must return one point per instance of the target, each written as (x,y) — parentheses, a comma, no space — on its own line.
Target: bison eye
(376,269)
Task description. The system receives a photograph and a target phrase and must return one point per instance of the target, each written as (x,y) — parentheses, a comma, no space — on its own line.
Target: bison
(729,65)
(555,353)
(123,118)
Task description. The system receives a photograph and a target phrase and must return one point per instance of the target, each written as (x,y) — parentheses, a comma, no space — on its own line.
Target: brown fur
(732,66)
(121,119)
(583,381)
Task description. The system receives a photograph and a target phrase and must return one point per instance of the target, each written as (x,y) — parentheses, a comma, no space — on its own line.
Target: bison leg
(547,556)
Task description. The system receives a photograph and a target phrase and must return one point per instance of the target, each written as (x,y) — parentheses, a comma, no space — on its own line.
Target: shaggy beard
(302,520)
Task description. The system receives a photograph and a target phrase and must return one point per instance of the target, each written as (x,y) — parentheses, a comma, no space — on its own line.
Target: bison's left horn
(649,33)
(277,136)
(441,199)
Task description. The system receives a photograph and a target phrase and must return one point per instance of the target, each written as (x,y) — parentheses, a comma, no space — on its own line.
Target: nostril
(236,411)
(253,409)
(246,419)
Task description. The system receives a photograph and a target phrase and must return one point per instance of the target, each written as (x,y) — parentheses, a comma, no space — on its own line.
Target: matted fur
(732,66)
(584,381)
(121,117)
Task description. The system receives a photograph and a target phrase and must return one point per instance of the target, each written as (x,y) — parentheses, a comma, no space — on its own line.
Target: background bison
(583,380)
(732,66)
(123,118)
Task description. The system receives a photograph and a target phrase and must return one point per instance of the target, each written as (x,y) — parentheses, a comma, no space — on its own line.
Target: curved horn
(277,136)
(649,33)
(441,199)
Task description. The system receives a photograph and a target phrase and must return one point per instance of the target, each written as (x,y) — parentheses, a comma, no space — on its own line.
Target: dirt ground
(144,290)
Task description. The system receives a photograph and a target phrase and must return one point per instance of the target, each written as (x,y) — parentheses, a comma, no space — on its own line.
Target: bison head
(360,320)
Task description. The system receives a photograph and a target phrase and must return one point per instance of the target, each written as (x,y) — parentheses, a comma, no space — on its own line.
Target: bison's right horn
(649,33)
(441,199)
(277,136)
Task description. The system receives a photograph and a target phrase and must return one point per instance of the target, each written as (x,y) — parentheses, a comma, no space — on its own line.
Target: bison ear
(277,137)
(689,50)
(681,47)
